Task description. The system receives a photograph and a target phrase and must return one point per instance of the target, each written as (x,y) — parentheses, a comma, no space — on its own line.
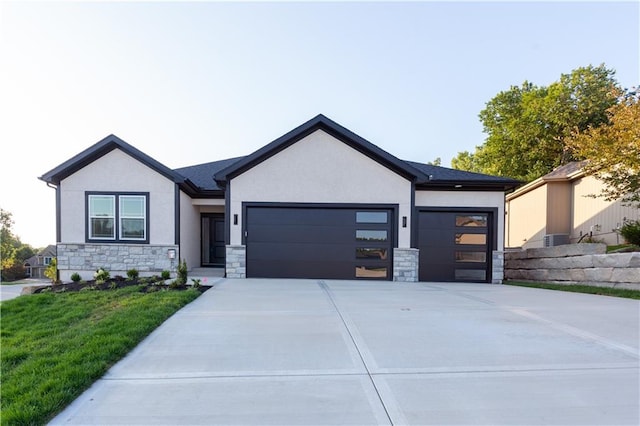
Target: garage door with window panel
(455,245)
(319,242)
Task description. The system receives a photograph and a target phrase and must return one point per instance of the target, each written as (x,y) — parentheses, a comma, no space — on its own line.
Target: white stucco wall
(117,171)
(466,199)
(189,231)
(321,169)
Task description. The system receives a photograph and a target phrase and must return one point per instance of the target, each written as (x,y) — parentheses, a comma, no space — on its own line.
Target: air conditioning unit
(552,240)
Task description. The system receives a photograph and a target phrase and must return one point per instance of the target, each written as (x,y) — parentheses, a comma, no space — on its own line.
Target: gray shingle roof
(201,175)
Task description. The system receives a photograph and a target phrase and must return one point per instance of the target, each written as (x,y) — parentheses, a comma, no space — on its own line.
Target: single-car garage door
(319,242)
(455,245)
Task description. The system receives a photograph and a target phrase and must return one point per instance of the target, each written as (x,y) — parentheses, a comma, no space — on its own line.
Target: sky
(189,83)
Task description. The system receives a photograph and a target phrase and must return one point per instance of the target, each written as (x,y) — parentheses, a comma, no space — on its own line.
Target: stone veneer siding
(236,262)
(116,258)
(405,264)
(497,267)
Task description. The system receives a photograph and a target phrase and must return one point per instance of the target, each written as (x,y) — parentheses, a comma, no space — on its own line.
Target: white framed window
(102,217)
(117,217)
(133,217)
(47,260)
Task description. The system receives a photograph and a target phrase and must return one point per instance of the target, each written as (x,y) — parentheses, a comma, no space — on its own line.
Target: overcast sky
(189,83)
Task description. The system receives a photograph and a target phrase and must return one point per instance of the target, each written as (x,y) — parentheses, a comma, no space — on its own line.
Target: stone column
(405,264)
(497,269)
(236,262)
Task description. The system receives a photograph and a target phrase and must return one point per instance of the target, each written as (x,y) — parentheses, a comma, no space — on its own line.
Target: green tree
(7,240)
(528,126)
(436,162)
(613,149)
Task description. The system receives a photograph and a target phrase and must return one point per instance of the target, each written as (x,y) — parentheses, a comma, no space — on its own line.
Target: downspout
(58,221)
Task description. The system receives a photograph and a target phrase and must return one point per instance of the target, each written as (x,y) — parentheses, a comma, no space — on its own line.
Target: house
(560,208)
(319,202)
(35,265)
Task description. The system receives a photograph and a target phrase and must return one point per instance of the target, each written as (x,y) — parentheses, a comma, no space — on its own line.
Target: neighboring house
(319,202)
(35,265)
(559,208)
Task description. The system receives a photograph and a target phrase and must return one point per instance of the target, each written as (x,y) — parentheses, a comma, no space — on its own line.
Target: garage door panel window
(471,256)
(372,217)
(467,238)
(471,274)
(475,220)
(371,235)
(371,272)
(371,253)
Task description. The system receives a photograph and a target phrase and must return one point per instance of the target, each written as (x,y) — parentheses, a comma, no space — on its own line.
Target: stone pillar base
(236,262)
(405,264)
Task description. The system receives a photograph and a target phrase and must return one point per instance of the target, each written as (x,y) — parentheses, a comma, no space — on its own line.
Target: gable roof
(201,175)
(320,122)
(101,148)
(564,173)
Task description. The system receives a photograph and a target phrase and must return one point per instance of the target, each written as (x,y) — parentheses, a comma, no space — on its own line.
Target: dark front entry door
(213,246)
(455,246)
(319,242)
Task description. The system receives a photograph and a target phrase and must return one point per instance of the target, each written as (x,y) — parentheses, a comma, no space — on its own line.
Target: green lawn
(578,288)
(54,346)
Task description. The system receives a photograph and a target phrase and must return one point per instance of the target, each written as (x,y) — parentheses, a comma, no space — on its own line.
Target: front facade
(320,202)
(561,208)
(35,266)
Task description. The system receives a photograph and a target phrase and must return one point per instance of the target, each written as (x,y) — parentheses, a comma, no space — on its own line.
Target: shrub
(165,275)
(196,282)
(101,275)
(631,231)
(75,277)
(133,274)
(13,272)
(182,272)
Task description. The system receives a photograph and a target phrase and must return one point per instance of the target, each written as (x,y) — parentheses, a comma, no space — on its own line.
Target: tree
(436,162)
(7,240)
(528,126)
(613,149)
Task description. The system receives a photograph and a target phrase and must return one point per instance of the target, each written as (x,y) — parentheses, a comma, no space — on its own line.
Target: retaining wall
(574,264)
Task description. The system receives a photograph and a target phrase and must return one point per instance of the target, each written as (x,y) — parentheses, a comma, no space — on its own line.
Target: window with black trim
(117,217)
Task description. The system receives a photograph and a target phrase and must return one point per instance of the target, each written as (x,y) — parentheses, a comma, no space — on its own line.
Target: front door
(213,246)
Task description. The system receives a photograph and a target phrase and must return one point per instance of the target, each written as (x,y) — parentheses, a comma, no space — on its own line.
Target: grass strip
(54,346)
(579,288)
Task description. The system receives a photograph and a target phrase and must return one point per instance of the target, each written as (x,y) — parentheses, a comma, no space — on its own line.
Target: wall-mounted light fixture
(404,221)
(235,219)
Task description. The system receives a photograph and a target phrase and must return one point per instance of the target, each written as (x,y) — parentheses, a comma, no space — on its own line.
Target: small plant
(113,285)
(101,275)
(132,274)
(197,282)
(51,271)
(165,275)
(182,272)
(174,284)
(75,277)
(630,230)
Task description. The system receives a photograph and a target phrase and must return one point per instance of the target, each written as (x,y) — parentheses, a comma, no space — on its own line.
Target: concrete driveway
(280,352)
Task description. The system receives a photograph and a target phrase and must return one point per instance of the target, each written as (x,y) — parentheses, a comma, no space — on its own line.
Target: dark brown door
(455,246)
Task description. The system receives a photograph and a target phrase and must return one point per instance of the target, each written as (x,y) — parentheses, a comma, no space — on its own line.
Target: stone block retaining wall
(236,262)
(575,264)
(85,259)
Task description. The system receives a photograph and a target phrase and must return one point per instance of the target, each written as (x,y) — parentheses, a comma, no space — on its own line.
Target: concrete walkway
(11,291)
(281,352)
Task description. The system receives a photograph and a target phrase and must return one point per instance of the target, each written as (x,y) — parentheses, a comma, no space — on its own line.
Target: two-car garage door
(319,242)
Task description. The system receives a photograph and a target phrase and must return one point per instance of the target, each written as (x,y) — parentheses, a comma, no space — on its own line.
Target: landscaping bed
(146,284)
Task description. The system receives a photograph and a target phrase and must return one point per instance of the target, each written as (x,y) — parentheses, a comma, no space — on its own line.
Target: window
(132,217)
(471,256)
(371,272)
(471,220)
(371,253)
(370,235)
(47,260)
(471,238)
(117,217)
(371,217)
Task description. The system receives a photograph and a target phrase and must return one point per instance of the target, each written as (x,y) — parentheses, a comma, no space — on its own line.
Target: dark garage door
(455,246)
(312,242)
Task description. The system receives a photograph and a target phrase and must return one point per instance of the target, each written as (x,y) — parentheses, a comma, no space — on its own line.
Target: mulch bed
(148,285)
